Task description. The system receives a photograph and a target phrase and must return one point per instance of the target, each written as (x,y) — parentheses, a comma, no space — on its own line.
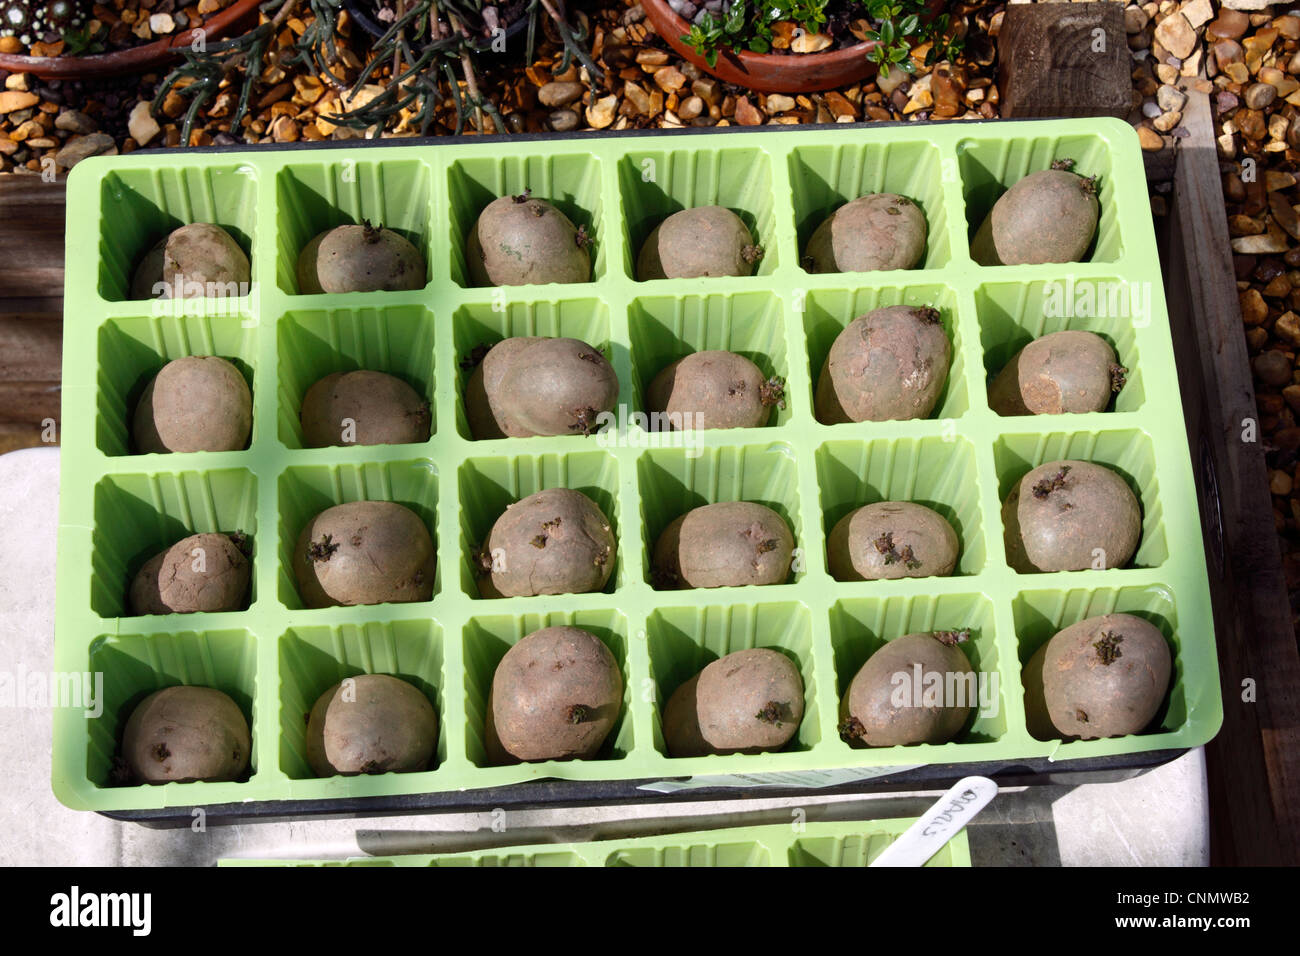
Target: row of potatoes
(889,364)
(1062,516)
(1048,216)
(558,692)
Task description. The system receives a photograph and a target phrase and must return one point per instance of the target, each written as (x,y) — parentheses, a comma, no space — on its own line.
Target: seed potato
(364,552)
(555,695)
(1048,216)
(1106,676)
(746,702)
(556,541)
(1062,372)
(373,723)
(885,706)
(704,241)
(195,261)
(196,403)
(880,231)
(728,544)
(182,734)
(891,539)
(540,386)
(203,572)
(1071,516)
(713,389)
(888,364)
(519,240)
(363,408)
(362,258)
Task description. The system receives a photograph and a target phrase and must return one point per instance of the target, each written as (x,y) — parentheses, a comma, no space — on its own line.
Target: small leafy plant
(898,28)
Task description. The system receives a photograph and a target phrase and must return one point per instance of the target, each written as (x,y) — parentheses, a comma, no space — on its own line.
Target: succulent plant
(30,22)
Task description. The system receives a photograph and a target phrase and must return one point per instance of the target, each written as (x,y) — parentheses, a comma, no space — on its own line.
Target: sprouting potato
(880,231)
(704,241)
(519,240)
(1049,216)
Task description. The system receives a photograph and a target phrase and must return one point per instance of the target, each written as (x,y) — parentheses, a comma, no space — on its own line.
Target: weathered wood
(31,242)
(1064,59)
(31,307)
(1254,762)
(31,346)
(29,403)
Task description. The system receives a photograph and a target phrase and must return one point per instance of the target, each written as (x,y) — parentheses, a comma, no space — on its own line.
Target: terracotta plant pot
(771,72)
(135,60)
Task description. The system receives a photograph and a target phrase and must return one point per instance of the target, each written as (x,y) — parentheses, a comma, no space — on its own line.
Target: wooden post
(1064,59)
(1254,763)
(31,308)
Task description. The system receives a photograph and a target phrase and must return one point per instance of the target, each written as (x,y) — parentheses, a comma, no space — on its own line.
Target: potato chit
(182,734)
(918,688)
(1049,216)
(1102,677)
(749,701)
(888,364)
(555,695)
(880,231)
(1070,516)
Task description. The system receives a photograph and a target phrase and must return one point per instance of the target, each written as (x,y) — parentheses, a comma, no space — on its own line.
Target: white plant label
(943,821)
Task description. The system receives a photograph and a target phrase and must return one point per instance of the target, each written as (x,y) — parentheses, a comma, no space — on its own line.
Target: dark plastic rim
(558,794)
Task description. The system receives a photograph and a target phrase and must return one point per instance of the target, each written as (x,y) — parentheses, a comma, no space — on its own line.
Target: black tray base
(553,794)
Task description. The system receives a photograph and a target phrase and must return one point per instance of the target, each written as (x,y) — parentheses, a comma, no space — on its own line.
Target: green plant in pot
(800,45)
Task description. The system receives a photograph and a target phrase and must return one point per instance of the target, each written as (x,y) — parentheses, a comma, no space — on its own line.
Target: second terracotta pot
(770,72)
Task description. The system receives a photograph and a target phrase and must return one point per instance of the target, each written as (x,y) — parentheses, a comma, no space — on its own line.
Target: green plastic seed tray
(275,658)
(808,844)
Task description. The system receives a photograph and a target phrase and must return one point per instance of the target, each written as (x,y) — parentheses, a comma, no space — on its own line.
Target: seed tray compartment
(806,844)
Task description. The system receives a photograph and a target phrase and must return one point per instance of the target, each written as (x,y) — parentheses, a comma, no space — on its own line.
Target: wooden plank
(31,242)
(31,346)
(1254,763)
(1064,59)
(29,403)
